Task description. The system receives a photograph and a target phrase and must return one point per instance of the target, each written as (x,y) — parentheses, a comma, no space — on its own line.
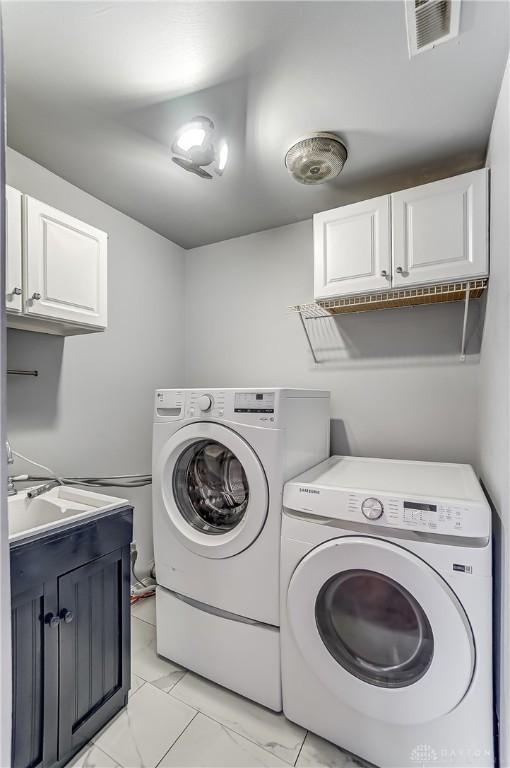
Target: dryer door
(381,629)
(214,489)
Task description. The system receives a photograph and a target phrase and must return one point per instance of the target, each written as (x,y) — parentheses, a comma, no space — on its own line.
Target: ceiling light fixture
(194,149)
(192,137)
(222,157)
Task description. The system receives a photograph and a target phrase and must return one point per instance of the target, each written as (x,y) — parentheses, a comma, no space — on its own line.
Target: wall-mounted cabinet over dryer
(56,269)
(434,233)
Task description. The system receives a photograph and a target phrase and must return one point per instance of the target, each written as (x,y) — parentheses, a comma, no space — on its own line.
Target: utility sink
(59,506)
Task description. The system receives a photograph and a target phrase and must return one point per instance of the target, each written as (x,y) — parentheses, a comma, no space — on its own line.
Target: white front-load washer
(386,626)
(220,461)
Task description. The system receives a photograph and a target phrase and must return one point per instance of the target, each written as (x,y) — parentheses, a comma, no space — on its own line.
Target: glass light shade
(223,156)
(191,137)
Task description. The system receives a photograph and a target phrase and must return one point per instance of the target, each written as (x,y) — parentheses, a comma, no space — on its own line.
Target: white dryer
(220,461)
(386,611)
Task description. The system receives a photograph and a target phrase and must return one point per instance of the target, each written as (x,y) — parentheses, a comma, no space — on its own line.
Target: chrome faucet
(11,490)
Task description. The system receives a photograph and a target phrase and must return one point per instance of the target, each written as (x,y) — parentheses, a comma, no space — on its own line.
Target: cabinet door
(13,276)
(352,248)
(34,677)
(440,230)
(65,266)
(94,647)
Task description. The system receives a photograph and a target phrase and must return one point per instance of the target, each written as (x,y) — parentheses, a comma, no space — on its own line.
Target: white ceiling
(95,92)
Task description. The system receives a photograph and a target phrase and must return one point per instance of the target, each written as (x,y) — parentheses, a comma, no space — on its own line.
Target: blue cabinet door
(35,676)
(94,657)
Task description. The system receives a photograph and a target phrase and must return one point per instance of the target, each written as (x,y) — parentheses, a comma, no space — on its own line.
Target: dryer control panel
(412,514)
(429,498)
(371,508)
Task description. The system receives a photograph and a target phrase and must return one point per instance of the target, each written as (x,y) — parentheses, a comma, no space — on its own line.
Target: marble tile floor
(175,719)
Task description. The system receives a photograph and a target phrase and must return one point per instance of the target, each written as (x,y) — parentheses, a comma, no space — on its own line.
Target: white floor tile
(145,663)
(319,753)
(143,732)
(207,744)
(145,609)
(91,757)
(136,683)
(269,730)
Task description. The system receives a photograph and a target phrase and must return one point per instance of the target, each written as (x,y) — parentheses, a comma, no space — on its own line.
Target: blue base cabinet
(70,636)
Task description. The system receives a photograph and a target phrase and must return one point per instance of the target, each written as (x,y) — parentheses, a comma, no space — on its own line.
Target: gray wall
(398,389)
(495,385)
(90,410)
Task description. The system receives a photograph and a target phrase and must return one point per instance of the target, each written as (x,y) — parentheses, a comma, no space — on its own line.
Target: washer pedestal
(235,652)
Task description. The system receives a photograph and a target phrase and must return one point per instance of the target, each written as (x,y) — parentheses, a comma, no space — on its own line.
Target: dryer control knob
(204,402)
(372,508)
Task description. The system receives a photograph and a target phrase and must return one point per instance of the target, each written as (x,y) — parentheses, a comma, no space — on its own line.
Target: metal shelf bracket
(303,323)
(464,326)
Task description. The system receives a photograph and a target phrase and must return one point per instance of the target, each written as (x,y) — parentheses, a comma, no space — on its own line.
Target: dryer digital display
(420,505)
(418,512)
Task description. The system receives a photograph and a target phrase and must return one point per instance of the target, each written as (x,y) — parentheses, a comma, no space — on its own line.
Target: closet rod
(20,372)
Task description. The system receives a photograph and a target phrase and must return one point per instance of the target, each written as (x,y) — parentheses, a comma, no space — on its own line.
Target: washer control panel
(169,404)
(248,407)
(200,404)
(254,402)
(205,403)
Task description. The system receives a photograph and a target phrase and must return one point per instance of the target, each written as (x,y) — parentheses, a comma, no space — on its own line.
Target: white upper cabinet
(13,273)
(352,248)
(440,231)
(434,233)
(65,267)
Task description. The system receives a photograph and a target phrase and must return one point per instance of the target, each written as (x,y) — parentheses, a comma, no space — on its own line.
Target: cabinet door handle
(66,616)
(36,296)
(400,270)
(52,620)
(17,291)
(384,273)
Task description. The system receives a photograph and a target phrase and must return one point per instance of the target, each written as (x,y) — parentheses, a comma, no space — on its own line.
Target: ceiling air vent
(430,23)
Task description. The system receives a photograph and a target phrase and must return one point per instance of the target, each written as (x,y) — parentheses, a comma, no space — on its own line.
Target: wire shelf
(392,299)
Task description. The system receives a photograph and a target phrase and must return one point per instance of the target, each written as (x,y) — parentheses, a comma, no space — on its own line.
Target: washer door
(381,630)
(214,490)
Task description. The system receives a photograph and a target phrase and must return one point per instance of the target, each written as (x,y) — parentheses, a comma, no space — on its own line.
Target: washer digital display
(254,402)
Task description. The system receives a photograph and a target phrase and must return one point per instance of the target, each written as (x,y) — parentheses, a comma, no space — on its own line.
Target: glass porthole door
(214,489)
(374,628)
(210,487)
(381,629)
